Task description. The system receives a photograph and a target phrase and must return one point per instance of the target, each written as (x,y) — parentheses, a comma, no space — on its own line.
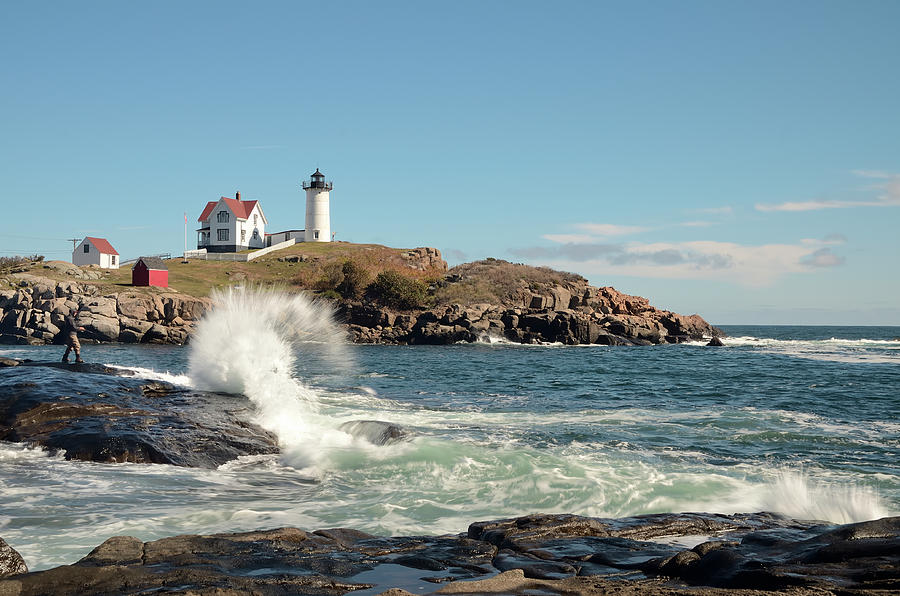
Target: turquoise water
(798,420)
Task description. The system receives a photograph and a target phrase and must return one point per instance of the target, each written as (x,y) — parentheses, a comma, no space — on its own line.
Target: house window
(254,218)
(223,234)
(243,236)
(316,234)
(222,217)
(87,248)
(113,257)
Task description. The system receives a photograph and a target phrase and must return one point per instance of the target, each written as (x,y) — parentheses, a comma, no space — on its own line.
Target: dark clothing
(69,325)
(70,333)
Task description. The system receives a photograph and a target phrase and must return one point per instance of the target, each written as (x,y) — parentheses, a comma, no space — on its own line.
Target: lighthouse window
(316,234)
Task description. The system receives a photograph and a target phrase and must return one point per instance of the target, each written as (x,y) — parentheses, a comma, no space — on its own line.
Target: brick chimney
(237,195)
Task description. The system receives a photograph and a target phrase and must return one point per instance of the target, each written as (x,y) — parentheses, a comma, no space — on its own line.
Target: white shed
(96,251)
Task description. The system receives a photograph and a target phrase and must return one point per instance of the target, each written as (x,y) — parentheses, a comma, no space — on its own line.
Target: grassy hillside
(401,278)
(311,266)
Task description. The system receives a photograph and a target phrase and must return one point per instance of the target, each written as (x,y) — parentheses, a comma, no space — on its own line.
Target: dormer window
(222,217)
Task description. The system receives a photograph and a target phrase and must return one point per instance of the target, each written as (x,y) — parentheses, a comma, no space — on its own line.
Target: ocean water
(801,421)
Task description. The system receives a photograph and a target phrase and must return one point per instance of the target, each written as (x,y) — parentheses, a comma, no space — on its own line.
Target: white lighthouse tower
(318,219)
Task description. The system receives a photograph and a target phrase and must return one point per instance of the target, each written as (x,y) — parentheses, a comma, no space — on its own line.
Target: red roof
(102,245)
(241,209)
(207,210)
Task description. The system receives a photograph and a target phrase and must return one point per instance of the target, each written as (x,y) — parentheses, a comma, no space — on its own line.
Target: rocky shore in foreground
(538,554)
(486,300)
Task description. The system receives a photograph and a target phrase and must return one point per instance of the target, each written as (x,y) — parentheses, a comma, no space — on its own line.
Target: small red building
(150,271)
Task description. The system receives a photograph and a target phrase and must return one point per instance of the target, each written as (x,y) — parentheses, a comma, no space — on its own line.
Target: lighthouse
(318,219)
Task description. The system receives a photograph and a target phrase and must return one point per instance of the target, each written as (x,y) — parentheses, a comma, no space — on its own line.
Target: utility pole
(73,241)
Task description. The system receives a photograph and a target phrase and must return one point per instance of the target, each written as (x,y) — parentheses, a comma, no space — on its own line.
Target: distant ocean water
(798,420)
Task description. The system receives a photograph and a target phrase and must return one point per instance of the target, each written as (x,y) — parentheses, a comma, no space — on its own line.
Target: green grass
(199,277)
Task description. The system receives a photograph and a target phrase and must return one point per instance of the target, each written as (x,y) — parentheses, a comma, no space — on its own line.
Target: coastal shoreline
(488,299)
(557,554)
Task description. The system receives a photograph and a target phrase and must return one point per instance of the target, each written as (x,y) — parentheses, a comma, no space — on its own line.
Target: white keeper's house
(96,251)
(231,225)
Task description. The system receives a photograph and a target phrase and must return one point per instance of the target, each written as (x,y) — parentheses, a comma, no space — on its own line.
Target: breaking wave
(249,344)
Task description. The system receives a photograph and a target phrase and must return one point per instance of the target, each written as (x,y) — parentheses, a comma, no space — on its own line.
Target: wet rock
(715,342)
(11,562)
(541,554)
(9,362)
(375,431)
(108,417)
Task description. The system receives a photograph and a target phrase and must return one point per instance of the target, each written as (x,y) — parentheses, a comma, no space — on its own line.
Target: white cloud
(606,230)
(823,258)
(829,240)
(727,210)
(746,265)
(889,197)
(696,224)
(871,174)
(570,238)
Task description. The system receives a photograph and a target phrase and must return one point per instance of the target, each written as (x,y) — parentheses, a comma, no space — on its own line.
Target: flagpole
(184,254)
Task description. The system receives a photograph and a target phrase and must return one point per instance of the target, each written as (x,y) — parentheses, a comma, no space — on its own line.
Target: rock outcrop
(33,311)
(11,562)
(486,300)
(570,313)
(98,413)
(547,554)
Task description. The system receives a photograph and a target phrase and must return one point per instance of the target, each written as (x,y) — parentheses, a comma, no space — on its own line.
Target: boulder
(100,306)
(100,328)
(11,562)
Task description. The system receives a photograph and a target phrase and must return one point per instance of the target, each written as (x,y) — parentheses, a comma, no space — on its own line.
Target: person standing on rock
(70,331)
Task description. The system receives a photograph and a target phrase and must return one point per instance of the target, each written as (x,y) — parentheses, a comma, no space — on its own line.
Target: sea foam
(248,344)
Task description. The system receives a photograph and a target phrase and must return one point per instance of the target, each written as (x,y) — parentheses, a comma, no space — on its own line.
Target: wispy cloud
(822,258)
(570,238)
(607,230)
(871,174)
(726,210)
(748,265)
(456,255)
(829,240)
(889,196)
(696,224)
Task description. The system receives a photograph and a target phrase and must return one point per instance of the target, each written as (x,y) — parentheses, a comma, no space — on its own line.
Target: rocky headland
(537,554)
(485,300)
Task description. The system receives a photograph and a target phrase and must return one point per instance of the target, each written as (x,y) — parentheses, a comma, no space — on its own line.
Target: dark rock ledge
(546,554)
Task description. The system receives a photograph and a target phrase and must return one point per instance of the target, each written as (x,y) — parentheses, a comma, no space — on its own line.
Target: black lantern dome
(317,180)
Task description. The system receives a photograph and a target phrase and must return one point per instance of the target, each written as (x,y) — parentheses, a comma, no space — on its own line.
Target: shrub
(17,261)
(398,291)
(356,278)
(331,277)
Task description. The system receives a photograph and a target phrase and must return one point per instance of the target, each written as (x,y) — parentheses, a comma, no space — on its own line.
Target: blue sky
(738,160)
